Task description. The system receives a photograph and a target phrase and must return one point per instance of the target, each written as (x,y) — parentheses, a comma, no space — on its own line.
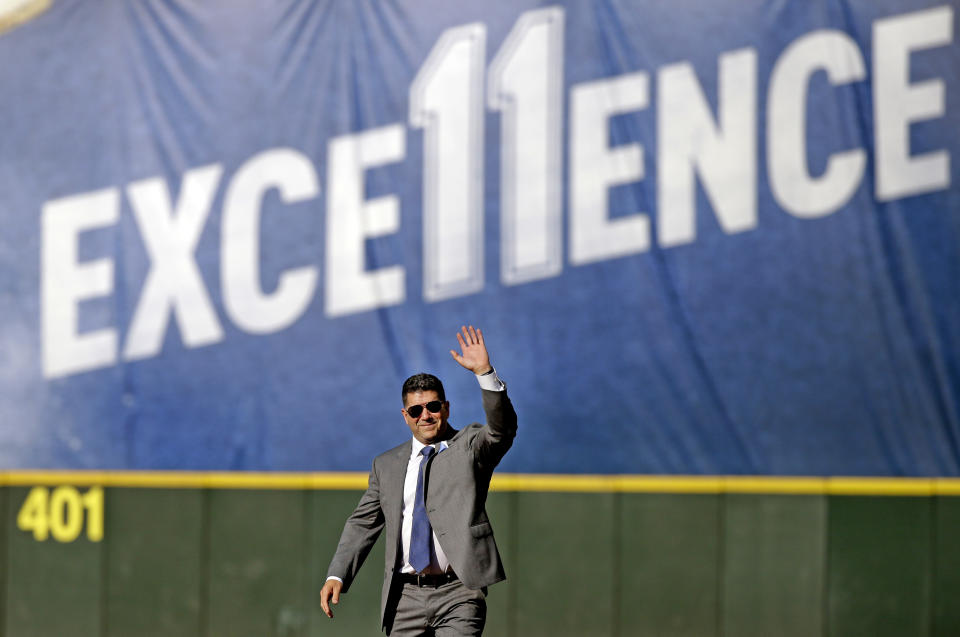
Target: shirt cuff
(490,381)
(330,577)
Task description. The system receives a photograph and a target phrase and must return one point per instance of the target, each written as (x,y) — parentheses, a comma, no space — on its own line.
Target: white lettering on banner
(688,138)
(64,283)
(351,220)
(525,83)
(173,285)
(525,86)
(897,103)
(595,168)
(293,175)
(793,187)
(446,100)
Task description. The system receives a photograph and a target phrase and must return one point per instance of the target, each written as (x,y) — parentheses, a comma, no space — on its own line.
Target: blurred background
(714,249)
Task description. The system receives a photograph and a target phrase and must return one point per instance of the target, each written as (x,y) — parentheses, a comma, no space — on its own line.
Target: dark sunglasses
(434,407)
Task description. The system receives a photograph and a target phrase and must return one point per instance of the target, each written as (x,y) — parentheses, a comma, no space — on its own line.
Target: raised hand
(473,354)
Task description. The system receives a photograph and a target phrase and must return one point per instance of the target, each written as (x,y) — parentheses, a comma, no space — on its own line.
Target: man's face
(428,427)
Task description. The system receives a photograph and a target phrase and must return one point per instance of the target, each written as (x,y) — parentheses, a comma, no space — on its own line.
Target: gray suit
(456,486)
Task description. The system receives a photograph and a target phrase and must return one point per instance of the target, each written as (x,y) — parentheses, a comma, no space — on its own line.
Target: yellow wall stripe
(536,482)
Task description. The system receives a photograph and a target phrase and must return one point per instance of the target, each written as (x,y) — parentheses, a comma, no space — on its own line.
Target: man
(429,495)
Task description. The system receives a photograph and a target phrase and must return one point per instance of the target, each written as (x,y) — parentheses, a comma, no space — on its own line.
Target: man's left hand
(473,354)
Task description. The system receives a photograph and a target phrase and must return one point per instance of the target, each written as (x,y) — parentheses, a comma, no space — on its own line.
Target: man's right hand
(473,350)
(331,589)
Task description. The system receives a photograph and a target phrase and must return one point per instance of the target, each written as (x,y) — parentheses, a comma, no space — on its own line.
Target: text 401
(60,512)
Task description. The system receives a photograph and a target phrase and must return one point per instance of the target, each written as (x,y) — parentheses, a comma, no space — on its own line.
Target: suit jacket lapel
(394,474)
(391,499)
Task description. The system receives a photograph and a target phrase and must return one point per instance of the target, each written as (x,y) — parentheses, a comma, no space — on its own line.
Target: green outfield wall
(221,555)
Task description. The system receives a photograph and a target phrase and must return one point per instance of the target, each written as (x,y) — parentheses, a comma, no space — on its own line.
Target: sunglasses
(434,407)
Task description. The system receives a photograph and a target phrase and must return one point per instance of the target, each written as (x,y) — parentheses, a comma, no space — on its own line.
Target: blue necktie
(422,534)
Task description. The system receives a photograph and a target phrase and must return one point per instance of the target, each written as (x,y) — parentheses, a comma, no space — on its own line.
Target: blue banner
(700,238)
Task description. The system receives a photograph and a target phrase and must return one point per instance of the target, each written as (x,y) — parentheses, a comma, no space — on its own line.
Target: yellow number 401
(60,513)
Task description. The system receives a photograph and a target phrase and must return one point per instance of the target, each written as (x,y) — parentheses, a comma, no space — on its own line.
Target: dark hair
(422,382)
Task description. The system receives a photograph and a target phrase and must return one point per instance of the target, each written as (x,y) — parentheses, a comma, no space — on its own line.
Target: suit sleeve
(494,440)
(360,533)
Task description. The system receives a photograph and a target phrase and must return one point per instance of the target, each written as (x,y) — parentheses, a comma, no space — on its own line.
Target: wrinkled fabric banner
(700,237)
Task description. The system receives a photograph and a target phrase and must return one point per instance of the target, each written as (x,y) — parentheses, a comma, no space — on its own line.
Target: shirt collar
(417,446)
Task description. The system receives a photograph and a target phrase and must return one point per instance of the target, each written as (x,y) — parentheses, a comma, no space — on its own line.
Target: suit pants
(447,610)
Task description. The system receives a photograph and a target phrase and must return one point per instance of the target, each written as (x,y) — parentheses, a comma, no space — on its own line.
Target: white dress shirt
(438,559)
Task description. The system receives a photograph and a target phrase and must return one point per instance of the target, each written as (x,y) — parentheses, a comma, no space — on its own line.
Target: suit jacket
(456,482)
